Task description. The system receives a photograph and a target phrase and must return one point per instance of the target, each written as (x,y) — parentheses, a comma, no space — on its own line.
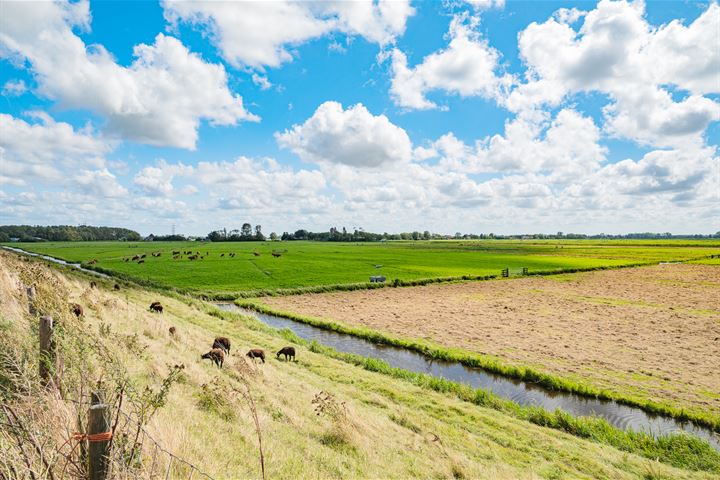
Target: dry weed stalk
(243,372)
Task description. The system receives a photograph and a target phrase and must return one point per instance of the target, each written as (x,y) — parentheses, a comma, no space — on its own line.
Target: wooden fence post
(98,450)
(31,300)
(47,349)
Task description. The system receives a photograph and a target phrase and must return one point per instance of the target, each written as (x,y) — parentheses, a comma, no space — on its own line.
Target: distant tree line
(64,233)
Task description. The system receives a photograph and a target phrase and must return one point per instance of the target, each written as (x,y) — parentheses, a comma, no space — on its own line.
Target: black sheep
(216,355)
(289,352)
(156,307)
(256,353)
(222,343)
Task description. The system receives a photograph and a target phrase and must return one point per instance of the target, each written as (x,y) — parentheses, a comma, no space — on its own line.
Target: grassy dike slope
(393,428)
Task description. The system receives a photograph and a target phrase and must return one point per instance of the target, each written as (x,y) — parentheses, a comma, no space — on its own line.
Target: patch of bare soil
(653,332)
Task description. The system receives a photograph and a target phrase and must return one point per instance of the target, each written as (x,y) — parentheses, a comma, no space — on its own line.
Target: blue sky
(482,116)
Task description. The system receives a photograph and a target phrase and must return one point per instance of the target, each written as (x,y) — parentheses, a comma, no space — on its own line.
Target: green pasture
(310,264)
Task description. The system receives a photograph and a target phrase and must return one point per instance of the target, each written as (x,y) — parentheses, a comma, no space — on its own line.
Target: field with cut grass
(649,334)
(376,422)
(312,265)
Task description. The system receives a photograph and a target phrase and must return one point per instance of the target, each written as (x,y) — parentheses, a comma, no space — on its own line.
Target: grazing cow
(93,284)
(256,353)
(172,331)
(222,343)
(141,261)
(222,254)
(116,287)
(289,352)
(77,309)
(143,255)
(126,259)
(216,355)
(276,254)
(135,257)
(156,307)
(192,257)
(176,252)
(257,254)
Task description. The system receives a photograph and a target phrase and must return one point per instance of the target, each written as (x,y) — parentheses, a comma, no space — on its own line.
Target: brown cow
(289,352)
(222,343)
(256,353)
(141,261)
(172,331)
(135,257)
(216,355)
(143,255)
(257,254)
(77,309)
(156,307)
(276,254)
(116,287)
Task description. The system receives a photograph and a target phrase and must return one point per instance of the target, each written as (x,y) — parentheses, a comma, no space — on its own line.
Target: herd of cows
(182,254)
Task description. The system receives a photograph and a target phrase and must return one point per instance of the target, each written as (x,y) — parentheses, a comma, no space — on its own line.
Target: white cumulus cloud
(263,34)
(159,99)
(467,67)
(351,136)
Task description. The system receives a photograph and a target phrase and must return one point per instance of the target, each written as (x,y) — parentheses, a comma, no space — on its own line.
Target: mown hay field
(647,333)
(312,264)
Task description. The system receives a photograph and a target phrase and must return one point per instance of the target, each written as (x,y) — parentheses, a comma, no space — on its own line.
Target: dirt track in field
(653,331)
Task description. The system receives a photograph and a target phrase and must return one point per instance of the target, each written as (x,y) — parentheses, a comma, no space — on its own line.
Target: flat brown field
(653,332)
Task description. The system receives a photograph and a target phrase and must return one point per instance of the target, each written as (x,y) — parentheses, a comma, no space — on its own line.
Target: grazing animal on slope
(216,355)
(222,343)
(276,254)
(289,352)
(116,287)
(141,261)
(135,257)
(256,353)
(156,307)
(257,254)
(172,331)
(77,309)
(93,284)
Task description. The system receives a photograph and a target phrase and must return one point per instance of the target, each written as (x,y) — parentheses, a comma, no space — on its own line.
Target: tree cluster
(245,234)
(65,233)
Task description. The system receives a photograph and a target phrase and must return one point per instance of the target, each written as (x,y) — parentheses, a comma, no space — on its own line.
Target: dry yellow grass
(393,429)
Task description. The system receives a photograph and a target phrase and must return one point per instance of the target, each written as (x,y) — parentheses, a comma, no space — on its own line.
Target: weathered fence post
(98,460)
(31,300)
(47,349)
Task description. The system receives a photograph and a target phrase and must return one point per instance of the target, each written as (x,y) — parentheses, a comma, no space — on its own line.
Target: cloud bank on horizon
(477,116)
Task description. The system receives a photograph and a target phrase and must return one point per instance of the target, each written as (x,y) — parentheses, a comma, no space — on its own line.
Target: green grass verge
(679,450)
(494,365)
